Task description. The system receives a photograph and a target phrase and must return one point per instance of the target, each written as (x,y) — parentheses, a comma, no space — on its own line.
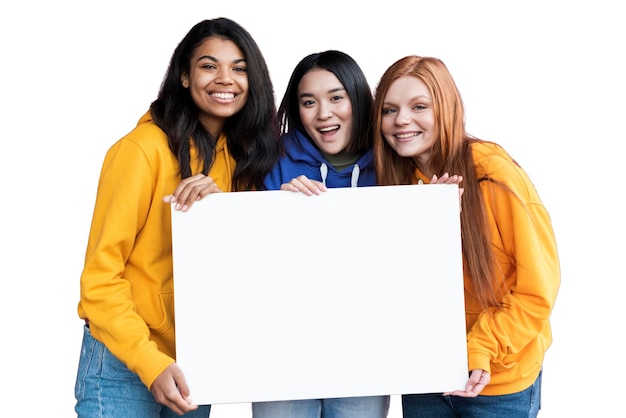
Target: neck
(342,159)
(424,167)
(213,125)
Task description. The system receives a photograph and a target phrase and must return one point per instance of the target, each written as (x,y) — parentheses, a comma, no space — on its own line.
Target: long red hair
(451,153)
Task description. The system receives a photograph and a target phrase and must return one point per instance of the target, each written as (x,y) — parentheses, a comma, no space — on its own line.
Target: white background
(543,78)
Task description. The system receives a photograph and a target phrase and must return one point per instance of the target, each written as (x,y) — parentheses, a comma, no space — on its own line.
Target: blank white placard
(358,291)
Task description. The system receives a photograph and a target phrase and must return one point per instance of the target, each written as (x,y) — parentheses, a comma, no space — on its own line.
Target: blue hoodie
(302,158)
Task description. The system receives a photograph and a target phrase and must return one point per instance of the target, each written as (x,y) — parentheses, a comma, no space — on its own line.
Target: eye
(419,107)
(336,98)
(307,103)
(389,110)
(241,69)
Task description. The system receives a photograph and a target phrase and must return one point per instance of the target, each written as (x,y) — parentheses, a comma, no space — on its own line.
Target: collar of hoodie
(353,181)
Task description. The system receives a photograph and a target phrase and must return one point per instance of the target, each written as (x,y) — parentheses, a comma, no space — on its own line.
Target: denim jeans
(357,407)
(105,388)
(524,404)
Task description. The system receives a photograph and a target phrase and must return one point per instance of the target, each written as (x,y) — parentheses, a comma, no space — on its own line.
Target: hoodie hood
(145,118)
(302,158)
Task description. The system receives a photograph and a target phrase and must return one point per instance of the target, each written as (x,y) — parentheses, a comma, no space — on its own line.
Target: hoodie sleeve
(273,180)
(128,252)
(526,251)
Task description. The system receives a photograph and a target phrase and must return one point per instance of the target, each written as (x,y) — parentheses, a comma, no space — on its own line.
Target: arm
(517,333)
(116,259)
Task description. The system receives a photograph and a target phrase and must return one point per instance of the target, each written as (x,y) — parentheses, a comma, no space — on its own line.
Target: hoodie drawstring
(355,175)
(324,172)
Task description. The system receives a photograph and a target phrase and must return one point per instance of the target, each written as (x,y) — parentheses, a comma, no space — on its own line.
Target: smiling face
(408,119)
(217,82)
(325,110)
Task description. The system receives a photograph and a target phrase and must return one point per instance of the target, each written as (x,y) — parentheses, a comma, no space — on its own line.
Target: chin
(408,152)
(404,153)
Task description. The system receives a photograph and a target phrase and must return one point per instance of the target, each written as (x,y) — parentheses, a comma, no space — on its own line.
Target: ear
(184,80)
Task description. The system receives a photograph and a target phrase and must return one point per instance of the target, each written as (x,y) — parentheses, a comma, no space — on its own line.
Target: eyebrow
(214,59)
(412,99)
(335,90)
(421,96)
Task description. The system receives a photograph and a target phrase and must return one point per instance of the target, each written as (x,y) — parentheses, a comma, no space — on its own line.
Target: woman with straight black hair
(326,122)
(326,125)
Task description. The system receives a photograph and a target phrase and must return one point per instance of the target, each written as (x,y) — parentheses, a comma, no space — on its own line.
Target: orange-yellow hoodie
(510,342)
(126,287)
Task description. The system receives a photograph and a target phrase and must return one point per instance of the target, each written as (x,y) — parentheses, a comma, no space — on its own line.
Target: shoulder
(492,160)
(367,159)
(293,138)
(146,140)
(147,135)
(299,148)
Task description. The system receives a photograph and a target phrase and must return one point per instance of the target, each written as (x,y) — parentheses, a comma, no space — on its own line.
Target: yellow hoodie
(510,342)
(126,287)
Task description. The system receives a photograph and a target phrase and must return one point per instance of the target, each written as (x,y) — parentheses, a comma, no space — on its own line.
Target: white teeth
(223,95)
(330,128)
(406,136)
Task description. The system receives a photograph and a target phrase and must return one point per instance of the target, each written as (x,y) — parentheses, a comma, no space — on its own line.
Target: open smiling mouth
(329,129)
(223,95)
(408,136)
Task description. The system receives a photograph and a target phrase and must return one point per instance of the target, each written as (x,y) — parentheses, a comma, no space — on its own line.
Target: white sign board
(356,292)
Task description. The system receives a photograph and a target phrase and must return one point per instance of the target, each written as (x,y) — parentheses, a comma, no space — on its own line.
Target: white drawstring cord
(324,172)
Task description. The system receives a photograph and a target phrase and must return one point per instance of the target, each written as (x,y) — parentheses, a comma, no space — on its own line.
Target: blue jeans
(357,407)
(105,388)
(524,404)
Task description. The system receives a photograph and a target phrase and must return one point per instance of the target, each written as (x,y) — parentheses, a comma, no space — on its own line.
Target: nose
(403,117)
(224,76)
(325,111)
